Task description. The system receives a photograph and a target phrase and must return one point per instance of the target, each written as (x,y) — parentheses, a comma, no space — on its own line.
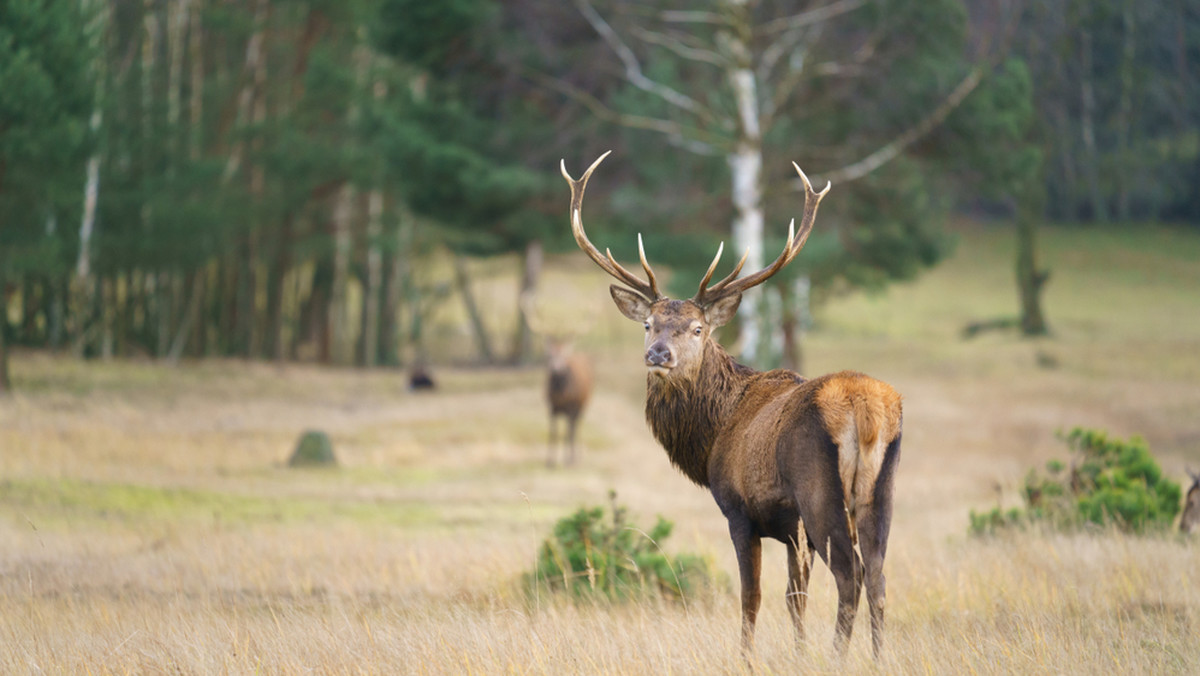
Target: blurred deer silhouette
(568,382)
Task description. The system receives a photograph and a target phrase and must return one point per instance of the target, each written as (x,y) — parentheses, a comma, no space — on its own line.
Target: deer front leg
(552,442)
(572,421)
(748,545)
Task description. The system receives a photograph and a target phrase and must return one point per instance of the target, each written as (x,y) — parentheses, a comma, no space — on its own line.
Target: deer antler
(649,290)
(707,295)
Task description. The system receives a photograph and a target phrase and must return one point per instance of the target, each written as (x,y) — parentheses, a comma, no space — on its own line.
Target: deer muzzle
(659,357)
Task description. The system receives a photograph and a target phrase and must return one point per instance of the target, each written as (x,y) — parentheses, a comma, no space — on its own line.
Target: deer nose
(658,355)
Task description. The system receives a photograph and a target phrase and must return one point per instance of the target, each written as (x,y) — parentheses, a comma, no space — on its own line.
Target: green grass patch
(53,503)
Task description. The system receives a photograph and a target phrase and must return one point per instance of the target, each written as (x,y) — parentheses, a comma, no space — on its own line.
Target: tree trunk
(1030,279)
(84,284)
(396,290)
(342,348)
(1087,123)
(195,285)
(1125,111)
(373,287)
(314,312)
(5,383)
(745,165)
(55,319)
(196,103)
(1031,208)
(482,340)
(531,272)
(795,318)
(281,263)
(227,304)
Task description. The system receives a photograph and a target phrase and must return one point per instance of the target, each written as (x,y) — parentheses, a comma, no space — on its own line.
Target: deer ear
(720,312)
(630,303)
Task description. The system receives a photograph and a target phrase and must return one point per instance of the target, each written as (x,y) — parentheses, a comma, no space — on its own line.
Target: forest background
(226,223)
(304,180)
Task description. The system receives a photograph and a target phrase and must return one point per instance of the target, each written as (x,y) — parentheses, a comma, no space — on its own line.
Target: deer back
(826,436)
(569,384)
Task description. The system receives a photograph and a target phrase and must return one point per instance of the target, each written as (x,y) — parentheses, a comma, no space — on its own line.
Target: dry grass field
(148,523)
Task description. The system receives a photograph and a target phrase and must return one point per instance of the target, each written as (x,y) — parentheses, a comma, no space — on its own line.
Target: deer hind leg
(748,545)
(875,522)
(829,532)
(800,555)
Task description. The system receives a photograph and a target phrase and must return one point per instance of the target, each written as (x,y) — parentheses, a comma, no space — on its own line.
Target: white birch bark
(91,197)
(254,59)
(196,103)
(177,20)
(745,167)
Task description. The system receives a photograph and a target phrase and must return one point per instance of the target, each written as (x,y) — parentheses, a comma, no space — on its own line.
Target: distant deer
(569,381)
(810,463)
(1189,521)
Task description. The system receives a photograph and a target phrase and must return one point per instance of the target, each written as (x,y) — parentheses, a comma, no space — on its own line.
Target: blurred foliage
(591,557)
(1109,482)
(46,57)
(239,144)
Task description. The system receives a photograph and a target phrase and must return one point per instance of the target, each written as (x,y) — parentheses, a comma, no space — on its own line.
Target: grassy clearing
(149,524)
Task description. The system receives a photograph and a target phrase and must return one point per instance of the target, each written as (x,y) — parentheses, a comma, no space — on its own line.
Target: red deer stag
(569,382)
(1189,521)
(810,463)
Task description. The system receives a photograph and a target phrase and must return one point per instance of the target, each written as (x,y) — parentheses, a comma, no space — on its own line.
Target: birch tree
(750,66)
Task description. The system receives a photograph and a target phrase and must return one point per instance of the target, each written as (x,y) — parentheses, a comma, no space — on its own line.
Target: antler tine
(810,210)
(795,242)
(712,266)
(605,261)
(705,290)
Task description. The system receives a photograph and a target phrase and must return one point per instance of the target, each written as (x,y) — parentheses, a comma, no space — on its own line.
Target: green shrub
(1108,482)
(313,450)
(589,556)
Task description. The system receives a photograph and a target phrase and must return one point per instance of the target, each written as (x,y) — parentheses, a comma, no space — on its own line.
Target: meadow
(149,524)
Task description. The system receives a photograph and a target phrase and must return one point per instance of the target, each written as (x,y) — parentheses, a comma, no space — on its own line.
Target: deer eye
(698,330)
(646,325)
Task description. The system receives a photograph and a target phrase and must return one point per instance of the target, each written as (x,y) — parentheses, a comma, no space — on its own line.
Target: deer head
(677,330)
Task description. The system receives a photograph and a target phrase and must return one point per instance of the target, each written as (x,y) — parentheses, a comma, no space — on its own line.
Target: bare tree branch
(784,46)
(633,69)
(684,16)
(890,151)
(687,137)
(682,49)
(789,80)
(810,17)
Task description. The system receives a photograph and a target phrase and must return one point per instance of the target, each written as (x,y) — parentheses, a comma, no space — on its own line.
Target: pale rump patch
(862,416)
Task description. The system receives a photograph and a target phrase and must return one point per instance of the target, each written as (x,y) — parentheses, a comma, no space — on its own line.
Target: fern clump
(1109,482)
(593,557)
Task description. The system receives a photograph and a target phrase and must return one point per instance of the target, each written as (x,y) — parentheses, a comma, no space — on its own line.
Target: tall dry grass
(148,524)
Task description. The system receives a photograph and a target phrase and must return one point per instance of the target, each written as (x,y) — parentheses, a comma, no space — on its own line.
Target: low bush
(594,557)
(1108,482)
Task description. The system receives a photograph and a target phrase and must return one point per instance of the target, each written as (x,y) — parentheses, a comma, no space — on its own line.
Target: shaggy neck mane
(686,416)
